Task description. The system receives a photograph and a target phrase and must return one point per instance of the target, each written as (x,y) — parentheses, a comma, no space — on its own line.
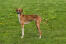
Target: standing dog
(25,19)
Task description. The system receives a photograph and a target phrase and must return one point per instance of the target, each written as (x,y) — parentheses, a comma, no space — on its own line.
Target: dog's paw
(40,37)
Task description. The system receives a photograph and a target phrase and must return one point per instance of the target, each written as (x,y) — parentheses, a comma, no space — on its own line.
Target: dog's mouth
(18,12)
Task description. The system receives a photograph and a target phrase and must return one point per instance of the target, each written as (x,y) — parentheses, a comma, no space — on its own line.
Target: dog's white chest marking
(19,17)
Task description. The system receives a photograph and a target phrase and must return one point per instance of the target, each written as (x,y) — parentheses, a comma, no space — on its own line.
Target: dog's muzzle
(18,13)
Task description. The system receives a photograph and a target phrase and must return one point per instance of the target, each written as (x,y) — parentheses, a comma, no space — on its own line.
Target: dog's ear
(21,10)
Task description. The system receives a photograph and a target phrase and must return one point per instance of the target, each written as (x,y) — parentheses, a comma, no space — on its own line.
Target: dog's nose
(18,12)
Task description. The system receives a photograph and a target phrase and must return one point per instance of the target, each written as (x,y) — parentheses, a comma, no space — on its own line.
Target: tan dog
(25,19)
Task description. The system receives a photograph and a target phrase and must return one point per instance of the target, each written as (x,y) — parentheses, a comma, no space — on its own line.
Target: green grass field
(53,32)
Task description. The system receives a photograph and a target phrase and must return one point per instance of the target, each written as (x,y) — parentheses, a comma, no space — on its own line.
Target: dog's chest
(19,17)
(20,21)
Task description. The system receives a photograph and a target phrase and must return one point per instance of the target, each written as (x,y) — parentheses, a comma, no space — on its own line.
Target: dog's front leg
(22,30)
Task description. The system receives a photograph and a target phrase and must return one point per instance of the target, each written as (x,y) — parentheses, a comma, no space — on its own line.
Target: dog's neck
(19,14)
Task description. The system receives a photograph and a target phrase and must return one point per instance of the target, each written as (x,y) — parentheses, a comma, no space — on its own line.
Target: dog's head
(19,10)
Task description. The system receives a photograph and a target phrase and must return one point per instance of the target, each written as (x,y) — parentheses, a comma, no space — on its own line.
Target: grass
(54,32)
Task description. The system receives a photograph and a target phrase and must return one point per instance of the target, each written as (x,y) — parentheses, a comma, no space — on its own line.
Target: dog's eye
(19,10)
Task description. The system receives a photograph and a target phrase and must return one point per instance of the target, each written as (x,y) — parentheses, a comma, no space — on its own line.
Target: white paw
(40,37)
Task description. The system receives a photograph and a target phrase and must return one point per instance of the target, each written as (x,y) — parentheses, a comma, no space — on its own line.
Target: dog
(25,19)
